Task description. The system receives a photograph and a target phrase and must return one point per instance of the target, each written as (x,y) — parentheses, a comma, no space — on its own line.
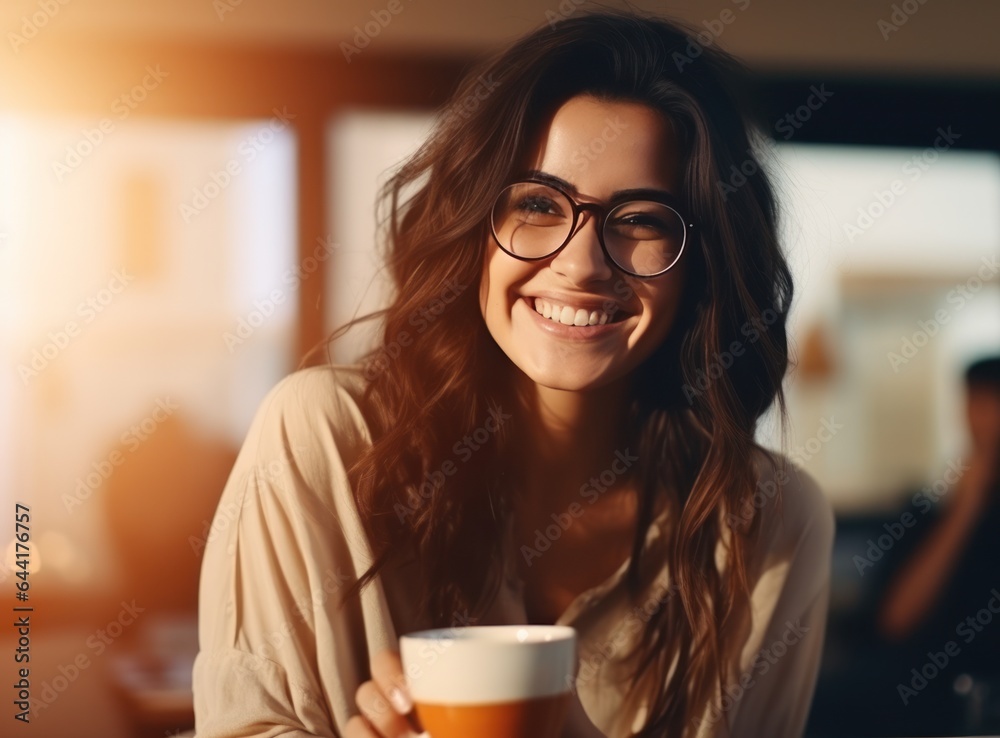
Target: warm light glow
(113,297)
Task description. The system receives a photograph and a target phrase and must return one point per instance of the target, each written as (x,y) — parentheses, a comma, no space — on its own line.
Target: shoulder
(320,387)
(796,514)
(318,400)
(307,431)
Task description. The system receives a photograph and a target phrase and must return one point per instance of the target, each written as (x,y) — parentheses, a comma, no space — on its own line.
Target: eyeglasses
(533,219)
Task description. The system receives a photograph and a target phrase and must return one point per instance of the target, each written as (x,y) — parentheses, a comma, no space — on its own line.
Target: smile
(569,315)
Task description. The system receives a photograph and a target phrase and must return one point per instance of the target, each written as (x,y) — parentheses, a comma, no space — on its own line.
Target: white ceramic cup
(518,676)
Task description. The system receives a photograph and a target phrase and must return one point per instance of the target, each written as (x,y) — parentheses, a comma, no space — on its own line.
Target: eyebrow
(635,193)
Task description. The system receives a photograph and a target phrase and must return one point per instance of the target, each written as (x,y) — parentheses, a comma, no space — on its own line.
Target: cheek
(664,303)
(500,278)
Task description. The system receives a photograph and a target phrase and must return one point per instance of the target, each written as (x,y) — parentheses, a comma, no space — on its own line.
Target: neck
(570,438)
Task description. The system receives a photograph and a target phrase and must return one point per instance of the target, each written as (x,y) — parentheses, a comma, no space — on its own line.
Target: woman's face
(598,148)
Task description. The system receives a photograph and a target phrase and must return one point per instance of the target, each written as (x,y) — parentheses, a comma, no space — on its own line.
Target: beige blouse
(278,657)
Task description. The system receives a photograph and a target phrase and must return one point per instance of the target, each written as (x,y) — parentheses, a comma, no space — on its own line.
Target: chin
(568,379)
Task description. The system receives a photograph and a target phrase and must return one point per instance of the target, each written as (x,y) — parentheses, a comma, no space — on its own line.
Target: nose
(582,259)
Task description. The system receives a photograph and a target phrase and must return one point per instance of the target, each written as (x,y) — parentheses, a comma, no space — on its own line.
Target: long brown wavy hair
(436,372)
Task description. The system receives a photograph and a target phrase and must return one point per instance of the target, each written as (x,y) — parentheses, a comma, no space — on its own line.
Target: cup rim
(501,635)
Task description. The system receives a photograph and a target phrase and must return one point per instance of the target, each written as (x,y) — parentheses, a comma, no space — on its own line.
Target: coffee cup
(491,681)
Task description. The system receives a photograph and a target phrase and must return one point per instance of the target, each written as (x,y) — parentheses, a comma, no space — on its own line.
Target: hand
(384,703)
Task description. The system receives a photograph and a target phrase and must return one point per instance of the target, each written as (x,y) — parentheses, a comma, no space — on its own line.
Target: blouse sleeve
(278,656)
(779,664)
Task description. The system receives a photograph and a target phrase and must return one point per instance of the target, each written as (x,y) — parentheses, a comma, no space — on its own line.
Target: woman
(558,424)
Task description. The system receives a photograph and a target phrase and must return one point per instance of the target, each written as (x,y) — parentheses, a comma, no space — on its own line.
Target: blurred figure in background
(945,595)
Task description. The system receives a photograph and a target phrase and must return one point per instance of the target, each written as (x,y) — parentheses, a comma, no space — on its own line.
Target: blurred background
(187,207)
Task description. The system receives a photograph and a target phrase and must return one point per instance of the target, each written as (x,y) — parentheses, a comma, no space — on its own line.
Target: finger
(376,709)
(387,672)
(357,727)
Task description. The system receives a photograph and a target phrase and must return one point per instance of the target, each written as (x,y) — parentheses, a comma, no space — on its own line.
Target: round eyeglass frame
(602,211)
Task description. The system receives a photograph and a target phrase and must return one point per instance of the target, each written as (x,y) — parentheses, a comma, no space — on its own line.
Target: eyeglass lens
(532,220)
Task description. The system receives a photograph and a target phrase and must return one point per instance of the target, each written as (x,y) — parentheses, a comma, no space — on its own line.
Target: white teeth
(570,316)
